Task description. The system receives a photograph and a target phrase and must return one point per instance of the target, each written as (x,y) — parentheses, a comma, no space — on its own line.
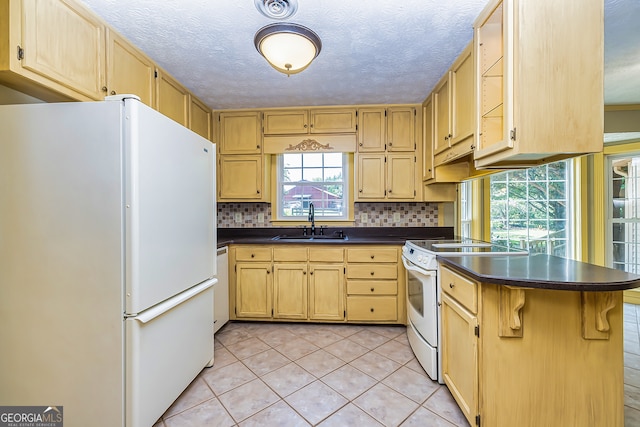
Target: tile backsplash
(409,214)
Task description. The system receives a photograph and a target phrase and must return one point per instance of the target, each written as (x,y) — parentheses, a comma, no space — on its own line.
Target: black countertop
(355,235)
(543,272)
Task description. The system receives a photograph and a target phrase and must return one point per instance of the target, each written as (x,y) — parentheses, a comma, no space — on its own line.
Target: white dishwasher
(221,290)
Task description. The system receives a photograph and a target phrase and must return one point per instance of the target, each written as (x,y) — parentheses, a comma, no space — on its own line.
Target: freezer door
(166,347)
(169,207)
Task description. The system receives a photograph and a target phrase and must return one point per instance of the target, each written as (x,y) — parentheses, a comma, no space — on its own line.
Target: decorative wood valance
(310,144)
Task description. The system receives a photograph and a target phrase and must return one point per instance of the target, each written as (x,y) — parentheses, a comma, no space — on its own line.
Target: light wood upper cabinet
(371,176)
(539,96)
(240,132)
(386,129)
(453,100)
(401,176)
(241,178)
(290,122)
(53,50)
(372,130)
(200,118)
(428,129)
(129,70)
(401,129)
(172,99)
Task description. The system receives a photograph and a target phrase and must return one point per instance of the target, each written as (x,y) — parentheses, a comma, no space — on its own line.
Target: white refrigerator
(107,259)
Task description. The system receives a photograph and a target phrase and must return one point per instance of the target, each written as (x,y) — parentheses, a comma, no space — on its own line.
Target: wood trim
(511,303)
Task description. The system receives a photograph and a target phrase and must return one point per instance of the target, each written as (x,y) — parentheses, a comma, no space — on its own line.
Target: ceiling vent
(277,9)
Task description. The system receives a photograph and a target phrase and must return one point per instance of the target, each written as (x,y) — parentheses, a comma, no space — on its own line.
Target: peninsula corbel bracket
(595,307)
(510,318)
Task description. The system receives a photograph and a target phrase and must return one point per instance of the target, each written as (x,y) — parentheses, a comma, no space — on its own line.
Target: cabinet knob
(360,144)
(311,273)
(304,273)
(252,255)
(372,289)
(311,124)
(360,190)
(305,125)
(390,143)
(268,271)
(257,147)
(389,191)
(372,309)
(113,92)
(472,147)
(373,256)
(257,191)
(104,88)
(451,285)
(429,169)
(372,273)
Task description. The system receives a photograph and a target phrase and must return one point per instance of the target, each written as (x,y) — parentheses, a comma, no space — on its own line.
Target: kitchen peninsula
(534,340)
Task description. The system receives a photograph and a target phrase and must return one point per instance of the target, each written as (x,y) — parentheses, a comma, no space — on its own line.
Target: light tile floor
(291,374)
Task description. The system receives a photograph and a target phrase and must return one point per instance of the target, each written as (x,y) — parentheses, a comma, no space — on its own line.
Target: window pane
(333,174)
(292,175)
(292,160)
(333,160)
(312,174)
(312,160)
(529,209)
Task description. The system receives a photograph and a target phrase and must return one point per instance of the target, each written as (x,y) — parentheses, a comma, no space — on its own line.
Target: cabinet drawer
(372,287)
(326,254)
(372,255)
(290,254)
(253,253)
(372,271)
(461,288)
(363,308)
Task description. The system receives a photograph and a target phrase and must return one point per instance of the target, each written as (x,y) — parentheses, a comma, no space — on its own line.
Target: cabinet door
(240,133)
(66,44)
(442,120)
(200,118)
(401,176)
(341,120)
(253,289)
(288,122)
(428,171)
(326,292)
(240,177)
(290,291)
(172,99)
(401,129)
(493,96)
(372,130)
(371,176)
(129,71)
(462,97)
(460,356)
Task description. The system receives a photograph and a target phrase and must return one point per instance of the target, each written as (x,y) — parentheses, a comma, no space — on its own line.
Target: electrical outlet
(364,218)
(396,217)
(238,217)
(260,218)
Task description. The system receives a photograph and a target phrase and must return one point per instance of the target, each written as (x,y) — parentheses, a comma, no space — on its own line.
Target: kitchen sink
(303,238)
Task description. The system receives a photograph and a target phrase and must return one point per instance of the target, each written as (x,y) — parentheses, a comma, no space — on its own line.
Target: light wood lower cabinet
(290,291)
(253,285)
(532,357)
(308,283)
(374,291)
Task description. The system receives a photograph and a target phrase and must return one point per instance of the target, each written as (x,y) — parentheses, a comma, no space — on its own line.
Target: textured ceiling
(373,51)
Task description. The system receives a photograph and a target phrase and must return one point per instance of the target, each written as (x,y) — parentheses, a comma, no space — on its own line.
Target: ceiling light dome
(289,48)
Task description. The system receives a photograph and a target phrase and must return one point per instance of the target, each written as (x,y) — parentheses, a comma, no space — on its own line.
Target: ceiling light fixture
(289,48)
(277,9)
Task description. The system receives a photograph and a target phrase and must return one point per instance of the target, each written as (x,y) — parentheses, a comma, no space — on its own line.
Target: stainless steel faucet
(312,219)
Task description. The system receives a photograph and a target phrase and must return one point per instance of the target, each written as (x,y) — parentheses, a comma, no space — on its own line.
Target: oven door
(422,306)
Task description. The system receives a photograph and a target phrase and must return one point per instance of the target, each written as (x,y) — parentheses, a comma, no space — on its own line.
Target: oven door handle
(410,267)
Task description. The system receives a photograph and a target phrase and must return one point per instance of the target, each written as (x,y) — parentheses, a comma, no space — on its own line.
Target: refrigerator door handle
(155,311)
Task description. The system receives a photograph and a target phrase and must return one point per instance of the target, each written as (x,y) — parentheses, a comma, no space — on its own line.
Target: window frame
(347,201)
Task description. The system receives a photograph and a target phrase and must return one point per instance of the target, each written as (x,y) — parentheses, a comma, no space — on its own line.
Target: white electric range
(423,292)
